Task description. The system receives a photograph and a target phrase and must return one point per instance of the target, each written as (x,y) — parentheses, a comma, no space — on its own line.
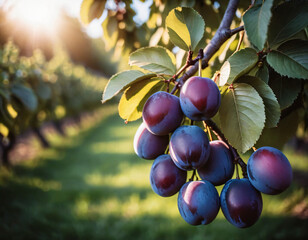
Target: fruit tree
(212,80)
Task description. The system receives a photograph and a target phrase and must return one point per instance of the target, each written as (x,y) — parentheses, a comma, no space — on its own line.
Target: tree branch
(223,34)
(236,30)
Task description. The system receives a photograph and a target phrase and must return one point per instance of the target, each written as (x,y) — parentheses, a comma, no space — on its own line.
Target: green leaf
(242,116)
(253,71)
(91,9)
(201,45)
(5,116)
(237,65)
(272,107)
(256,21)
(288,19)
(278,136)
(122,80)
(291,59)
(285,89)
(134,98)
(110,29)
(297,50)
(185,27)
(25,95)
(4,92)
(155,59)
(262,73)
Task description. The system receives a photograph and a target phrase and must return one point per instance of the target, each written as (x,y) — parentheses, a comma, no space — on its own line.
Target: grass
(93,186)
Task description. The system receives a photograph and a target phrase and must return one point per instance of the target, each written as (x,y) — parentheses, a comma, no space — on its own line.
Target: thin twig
(236,30)
(222,34)
(193,175)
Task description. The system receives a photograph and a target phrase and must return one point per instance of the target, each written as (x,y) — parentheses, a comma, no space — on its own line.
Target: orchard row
(189,148)
(33,91)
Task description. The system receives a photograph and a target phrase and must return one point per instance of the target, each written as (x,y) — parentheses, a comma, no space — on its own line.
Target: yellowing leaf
(185,27)
(91,9)
(133,99)
(121,80)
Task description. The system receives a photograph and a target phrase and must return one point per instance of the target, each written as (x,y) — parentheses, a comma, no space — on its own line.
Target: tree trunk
(41,137)
(6,149)
(59,128)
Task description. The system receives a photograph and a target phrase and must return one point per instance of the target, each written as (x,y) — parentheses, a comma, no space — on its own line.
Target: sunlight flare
(36,15)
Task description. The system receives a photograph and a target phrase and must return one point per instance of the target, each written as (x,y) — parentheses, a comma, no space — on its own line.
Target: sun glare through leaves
(38,16)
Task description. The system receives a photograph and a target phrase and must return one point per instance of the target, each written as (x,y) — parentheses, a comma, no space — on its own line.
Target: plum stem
(168,84)
(237,159)
(167,149)
(208,130)
(222,34)
(200,68)
(236,171)
(189,62)
(193,176)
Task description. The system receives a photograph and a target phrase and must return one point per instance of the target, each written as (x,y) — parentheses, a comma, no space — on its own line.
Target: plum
(198,202)
(189,147)
(241,203)
(200,98)
(269,170)
(148,145)
(165,177)
(219,167)
(162,113)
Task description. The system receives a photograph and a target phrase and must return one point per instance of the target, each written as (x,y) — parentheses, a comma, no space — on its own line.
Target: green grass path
(93,186)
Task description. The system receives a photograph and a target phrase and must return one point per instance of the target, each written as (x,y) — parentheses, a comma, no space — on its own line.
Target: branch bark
(223,34)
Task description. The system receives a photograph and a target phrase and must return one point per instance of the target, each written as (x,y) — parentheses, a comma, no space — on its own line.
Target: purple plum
(200,98)
(198,202)
(241,203)
(219,167)
(148,145)
(269,170)
(162,113)
(165,177)
(189,147)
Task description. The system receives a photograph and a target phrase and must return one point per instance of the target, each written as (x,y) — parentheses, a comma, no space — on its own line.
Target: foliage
(259,82)
(33,91)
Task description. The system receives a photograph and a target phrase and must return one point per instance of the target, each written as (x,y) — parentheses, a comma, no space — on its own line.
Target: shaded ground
(92,186)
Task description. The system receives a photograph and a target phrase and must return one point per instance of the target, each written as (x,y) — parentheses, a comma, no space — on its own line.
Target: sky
(94,29)
(43,13)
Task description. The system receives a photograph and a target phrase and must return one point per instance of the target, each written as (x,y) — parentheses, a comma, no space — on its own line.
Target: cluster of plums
(269,171)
